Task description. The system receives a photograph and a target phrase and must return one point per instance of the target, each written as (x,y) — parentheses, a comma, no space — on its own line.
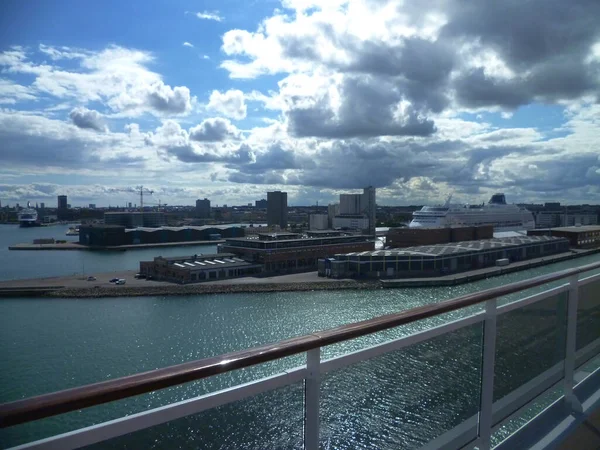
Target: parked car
(120,281)
(90,278)
(113,280)
(140,275)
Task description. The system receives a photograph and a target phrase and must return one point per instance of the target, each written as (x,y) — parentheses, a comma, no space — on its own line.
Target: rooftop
(581,229)
(454,248)
(211,261)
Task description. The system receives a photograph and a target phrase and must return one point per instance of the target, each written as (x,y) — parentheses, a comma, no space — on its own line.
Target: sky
(228,100)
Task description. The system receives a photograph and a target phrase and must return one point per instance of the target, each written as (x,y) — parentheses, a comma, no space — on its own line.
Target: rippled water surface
(411,395)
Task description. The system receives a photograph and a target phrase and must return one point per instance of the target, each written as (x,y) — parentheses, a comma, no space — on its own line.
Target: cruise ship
(496,212)
(28,217)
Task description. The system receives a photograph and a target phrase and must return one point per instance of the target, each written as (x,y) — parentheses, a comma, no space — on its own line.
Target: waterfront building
(291,252)
(441,259)
(131,219)
(197,268)
(408,237)
(581,236)
(277,213)
(104,235)
(203,209)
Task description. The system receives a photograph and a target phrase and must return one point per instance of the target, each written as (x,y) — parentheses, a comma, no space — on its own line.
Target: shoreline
(76,246)
(77,286)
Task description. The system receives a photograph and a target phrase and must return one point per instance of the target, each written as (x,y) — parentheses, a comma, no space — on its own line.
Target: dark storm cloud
(368,109)
(87,118)
(545,42)
(190,154)
(528,32)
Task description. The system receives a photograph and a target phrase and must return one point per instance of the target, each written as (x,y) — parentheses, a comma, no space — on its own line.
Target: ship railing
(509,372)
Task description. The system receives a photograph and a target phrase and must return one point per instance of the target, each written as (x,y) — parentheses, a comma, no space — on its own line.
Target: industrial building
(356,212)
(318,222)
(291,252)
(114,235)
(277,213)
(130,219)
(441,259)
(409,237)
(580,237)
(197,268)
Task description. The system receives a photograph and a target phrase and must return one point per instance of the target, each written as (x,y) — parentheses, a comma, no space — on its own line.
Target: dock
(77,246)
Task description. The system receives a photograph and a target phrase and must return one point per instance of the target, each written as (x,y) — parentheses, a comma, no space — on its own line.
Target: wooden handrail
(61,402)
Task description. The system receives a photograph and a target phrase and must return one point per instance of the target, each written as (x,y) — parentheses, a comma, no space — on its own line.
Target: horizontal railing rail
(74,399)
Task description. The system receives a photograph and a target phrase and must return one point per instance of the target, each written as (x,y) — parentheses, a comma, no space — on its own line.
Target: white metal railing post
(487,375)
(311,401)
(570,344)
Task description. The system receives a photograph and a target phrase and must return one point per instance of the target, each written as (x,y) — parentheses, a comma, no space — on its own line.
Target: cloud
(116,76)
(85,118)
(174,141)
(357,106)
(11,93)
(208,15)
(231,103)
(214,130)
(187,44)
(37,144)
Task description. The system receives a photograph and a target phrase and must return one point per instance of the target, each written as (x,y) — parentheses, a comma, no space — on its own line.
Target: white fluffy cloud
(231,103)
(117,76)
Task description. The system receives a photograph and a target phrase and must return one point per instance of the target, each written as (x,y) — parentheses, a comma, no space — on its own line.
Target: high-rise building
(277,209)
(92,206)
(62,202)
(42,205)
(129,205)
(368,207)
(260,204)
(62,213)
(203,209)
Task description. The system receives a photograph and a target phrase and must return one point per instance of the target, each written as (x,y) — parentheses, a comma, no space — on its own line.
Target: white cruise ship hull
(497,213)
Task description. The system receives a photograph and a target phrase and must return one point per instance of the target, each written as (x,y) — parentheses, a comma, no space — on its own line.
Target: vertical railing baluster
(487,375)
(311,402)
(570,344)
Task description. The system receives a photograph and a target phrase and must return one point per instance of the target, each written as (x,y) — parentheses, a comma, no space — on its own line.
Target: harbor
(130,335)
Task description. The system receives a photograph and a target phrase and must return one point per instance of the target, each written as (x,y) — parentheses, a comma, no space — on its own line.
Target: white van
(120,281)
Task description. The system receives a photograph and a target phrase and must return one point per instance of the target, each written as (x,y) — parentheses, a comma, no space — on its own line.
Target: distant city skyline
(311,97)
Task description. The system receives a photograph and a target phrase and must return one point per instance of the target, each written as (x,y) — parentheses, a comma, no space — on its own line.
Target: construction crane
(141,191)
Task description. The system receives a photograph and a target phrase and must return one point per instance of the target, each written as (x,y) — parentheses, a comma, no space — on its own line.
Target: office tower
(277,209)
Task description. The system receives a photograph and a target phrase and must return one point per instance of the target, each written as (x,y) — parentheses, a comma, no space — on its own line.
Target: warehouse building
(580,236)
(291,252)
(441,259)
(409,237)
(198,268)
(113,235)
(129,219)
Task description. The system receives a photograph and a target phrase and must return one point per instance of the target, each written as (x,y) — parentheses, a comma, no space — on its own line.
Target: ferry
(73,231)
(28,217)
(496,212)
